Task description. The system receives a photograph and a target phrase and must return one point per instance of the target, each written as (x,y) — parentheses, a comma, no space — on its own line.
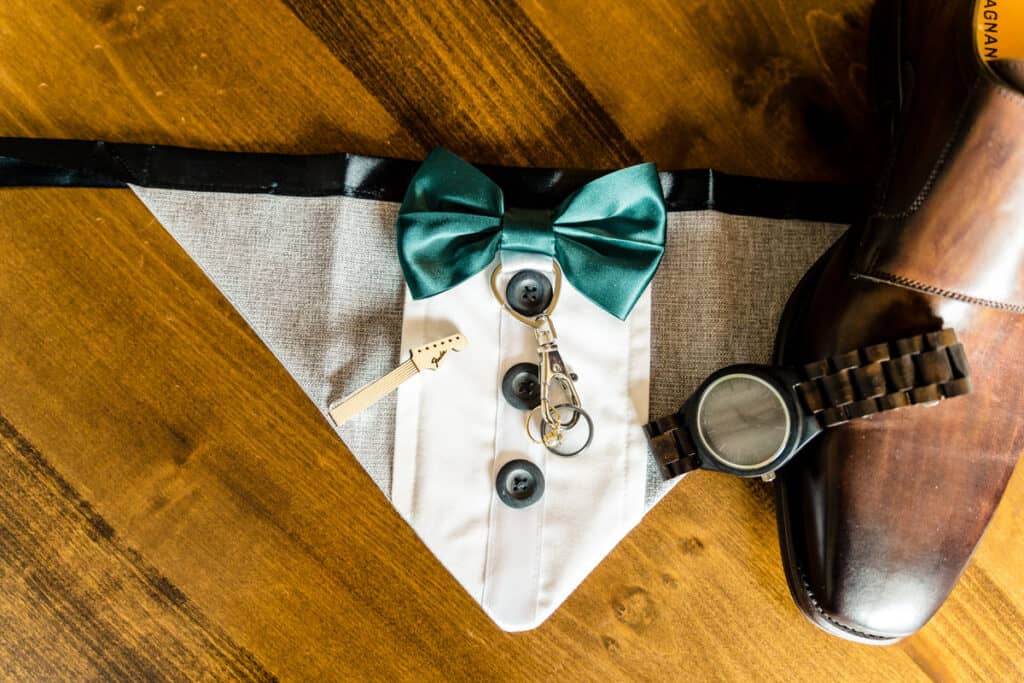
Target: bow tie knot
(530,230)
(608,236)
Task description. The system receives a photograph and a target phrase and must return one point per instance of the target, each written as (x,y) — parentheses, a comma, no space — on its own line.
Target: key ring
(532,322)
(558,430)
(552,436)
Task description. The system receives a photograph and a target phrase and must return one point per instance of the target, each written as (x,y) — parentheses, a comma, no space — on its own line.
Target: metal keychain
(554,374)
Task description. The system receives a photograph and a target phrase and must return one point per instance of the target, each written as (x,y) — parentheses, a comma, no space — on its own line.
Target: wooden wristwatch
(749,420)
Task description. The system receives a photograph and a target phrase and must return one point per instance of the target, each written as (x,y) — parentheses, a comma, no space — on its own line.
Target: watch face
(743,421)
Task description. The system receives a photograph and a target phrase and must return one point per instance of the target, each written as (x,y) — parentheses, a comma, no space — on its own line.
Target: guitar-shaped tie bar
(426,357)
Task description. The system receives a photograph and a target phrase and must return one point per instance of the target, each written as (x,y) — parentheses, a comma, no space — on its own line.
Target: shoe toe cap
(872,544)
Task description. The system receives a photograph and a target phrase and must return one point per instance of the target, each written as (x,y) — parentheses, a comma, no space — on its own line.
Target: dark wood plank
(774,89)
(77,600)
(477,77)
(243,76)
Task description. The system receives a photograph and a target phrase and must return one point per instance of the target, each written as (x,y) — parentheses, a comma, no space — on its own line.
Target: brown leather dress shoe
(878,518)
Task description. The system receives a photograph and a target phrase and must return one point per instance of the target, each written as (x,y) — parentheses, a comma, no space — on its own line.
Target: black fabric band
(26,162)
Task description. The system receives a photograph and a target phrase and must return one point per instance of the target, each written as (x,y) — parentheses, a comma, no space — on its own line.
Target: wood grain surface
(171,504)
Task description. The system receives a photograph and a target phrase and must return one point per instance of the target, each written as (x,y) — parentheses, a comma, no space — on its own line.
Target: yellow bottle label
(999,29)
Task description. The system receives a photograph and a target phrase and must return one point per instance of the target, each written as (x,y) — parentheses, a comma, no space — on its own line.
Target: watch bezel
(769,376)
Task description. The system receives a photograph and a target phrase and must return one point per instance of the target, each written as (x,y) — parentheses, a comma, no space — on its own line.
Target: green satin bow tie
(608,236)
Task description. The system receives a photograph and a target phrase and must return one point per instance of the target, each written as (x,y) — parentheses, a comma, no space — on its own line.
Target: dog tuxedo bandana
(342,264)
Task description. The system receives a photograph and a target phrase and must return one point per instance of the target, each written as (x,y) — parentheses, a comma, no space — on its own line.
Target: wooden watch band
(671,446)
(922,369)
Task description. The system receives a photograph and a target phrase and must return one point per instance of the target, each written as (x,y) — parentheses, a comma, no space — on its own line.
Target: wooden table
(172,504)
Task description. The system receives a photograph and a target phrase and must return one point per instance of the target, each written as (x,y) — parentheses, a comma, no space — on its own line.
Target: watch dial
(743,421)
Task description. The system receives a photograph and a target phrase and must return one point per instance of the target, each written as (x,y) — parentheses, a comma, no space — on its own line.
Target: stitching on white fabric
(627,452)
(424,317)
(498,435)
(538,565)
(394,426)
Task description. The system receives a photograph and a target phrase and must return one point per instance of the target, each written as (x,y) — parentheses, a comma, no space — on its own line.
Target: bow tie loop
(608,236)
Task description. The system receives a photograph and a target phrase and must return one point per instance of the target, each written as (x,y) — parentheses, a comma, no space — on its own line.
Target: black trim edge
(34,162)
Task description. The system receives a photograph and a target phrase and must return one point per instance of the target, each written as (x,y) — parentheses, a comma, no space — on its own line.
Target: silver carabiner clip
(557,382)
(554,374)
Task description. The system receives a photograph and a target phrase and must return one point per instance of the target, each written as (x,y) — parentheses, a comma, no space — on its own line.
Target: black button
(528,293)
(520,483)
(521,386)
